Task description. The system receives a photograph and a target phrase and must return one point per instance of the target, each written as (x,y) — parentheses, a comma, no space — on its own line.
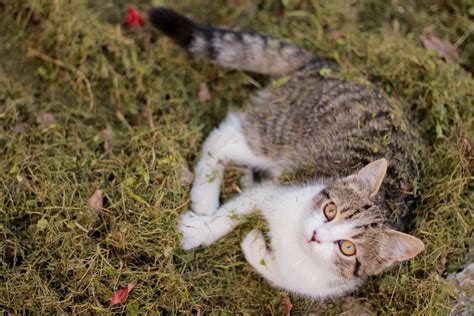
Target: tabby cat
(331,233)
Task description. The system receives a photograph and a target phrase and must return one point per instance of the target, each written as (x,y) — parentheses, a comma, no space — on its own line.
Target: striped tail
(246,51)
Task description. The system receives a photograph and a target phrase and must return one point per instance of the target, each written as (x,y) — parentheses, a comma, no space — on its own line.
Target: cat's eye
(330,211)
(347,248)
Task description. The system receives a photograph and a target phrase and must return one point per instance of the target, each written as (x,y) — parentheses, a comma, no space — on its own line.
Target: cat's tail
(246,51)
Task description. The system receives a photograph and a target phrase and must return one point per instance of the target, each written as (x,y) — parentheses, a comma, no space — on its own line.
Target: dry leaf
(95,202)
(334,35)
(441,266)
(352,307)
(185,176)
(121,295)
(286,305)
(45,119)
(107,135)
(18,128)
(23,184)
(405,186)
(444,49)
(466,146)
(204,93)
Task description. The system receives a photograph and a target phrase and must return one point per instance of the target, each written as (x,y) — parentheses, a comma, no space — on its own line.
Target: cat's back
(315,120)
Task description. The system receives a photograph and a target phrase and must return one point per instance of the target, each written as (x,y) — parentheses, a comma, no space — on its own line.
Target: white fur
(294,263)
(226,144)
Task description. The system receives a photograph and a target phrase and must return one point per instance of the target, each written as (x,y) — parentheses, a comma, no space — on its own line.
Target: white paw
(254,248)
(195,230)
(204,200)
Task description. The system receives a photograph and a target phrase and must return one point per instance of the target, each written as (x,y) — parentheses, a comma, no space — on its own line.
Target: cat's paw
(205,201)
(195,230)
(254,247)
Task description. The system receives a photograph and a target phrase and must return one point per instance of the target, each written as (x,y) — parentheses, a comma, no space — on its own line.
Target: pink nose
(315,237)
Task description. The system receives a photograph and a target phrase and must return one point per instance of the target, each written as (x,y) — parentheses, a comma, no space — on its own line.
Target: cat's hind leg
(226,144)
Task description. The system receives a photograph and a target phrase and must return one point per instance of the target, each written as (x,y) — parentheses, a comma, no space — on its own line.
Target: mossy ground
(77,61)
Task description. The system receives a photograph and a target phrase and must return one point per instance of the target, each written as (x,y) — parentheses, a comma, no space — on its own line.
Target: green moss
(76,61)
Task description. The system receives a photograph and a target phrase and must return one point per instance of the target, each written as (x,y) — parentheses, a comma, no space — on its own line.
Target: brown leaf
(286,305)
(441,267)
(466,146)
(405,186)
(45,119)
(185,176)
(23,184)
(95,202)
(444,49)
(352,307)
(334,35)
(107,135)
(121,295)
(204,93)
(18,128)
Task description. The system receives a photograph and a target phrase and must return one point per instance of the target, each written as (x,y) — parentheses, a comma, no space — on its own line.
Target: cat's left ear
(372,176)
(401,246)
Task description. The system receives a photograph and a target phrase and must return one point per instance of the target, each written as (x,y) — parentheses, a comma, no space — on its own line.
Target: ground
(87,103)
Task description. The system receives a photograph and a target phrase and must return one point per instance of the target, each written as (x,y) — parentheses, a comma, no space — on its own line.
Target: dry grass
(75,60)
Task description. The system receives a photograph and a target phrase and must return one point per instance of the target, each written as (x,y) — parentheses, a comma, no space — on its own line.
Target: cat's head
(344,227)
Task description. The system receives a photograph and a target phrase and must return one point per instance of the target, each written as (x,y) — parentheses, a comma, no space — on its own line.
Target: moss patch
(127,118)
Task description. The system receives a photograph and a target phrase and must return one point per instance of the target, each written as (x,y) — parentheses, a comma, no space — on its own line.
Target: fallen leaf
(95,202)
(18,128)
(286,305)
(334,35)
(42,223)
(134,17)
(352,307)
(441,266)
(67,77)
(121,295)
(23,184)
(107,135)
(466,146)
(204,93)
(185,176)
(45,119)
(444,49)
(405,186)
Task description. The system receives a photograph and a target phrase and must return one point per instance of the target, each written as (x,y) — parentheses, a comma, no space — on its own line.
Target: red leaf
(121,295)
(134,18)
(444,49)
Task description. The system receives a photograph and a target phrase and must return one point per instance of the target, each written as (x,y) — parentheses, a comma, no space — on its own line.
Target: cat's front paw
(195,230)
(253,246)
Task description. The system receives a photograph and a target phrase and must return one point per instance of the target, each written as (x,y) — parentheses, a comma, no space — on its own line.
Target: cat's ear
(401,246)
(372,176)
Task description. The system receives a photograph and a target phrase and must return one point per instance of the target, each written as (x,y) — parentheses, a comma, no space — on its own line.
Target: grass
(127,119)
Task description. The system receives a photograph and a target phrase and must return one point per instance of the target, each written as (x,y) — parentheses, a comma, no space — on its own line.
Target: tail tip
(173,24)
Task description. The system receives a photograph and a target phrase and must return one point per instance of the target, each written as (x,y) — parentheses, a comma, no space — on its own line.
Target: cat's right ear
(372,175)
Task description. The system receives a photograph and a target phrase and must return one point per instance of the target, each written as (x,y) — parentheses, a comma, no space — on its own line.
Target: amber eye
(330,211)
(347,248)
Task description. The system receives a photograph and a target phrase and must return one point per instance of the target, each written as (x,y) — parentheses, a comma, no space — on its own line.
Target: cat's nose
(315,237)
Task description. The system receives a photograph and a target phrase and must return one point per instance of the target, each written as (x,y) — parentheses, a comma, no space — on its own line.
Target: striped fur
(246,51)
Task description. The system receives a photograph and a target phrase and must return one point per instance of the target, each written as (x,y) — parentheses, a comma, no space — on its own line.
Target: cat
(328,235)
